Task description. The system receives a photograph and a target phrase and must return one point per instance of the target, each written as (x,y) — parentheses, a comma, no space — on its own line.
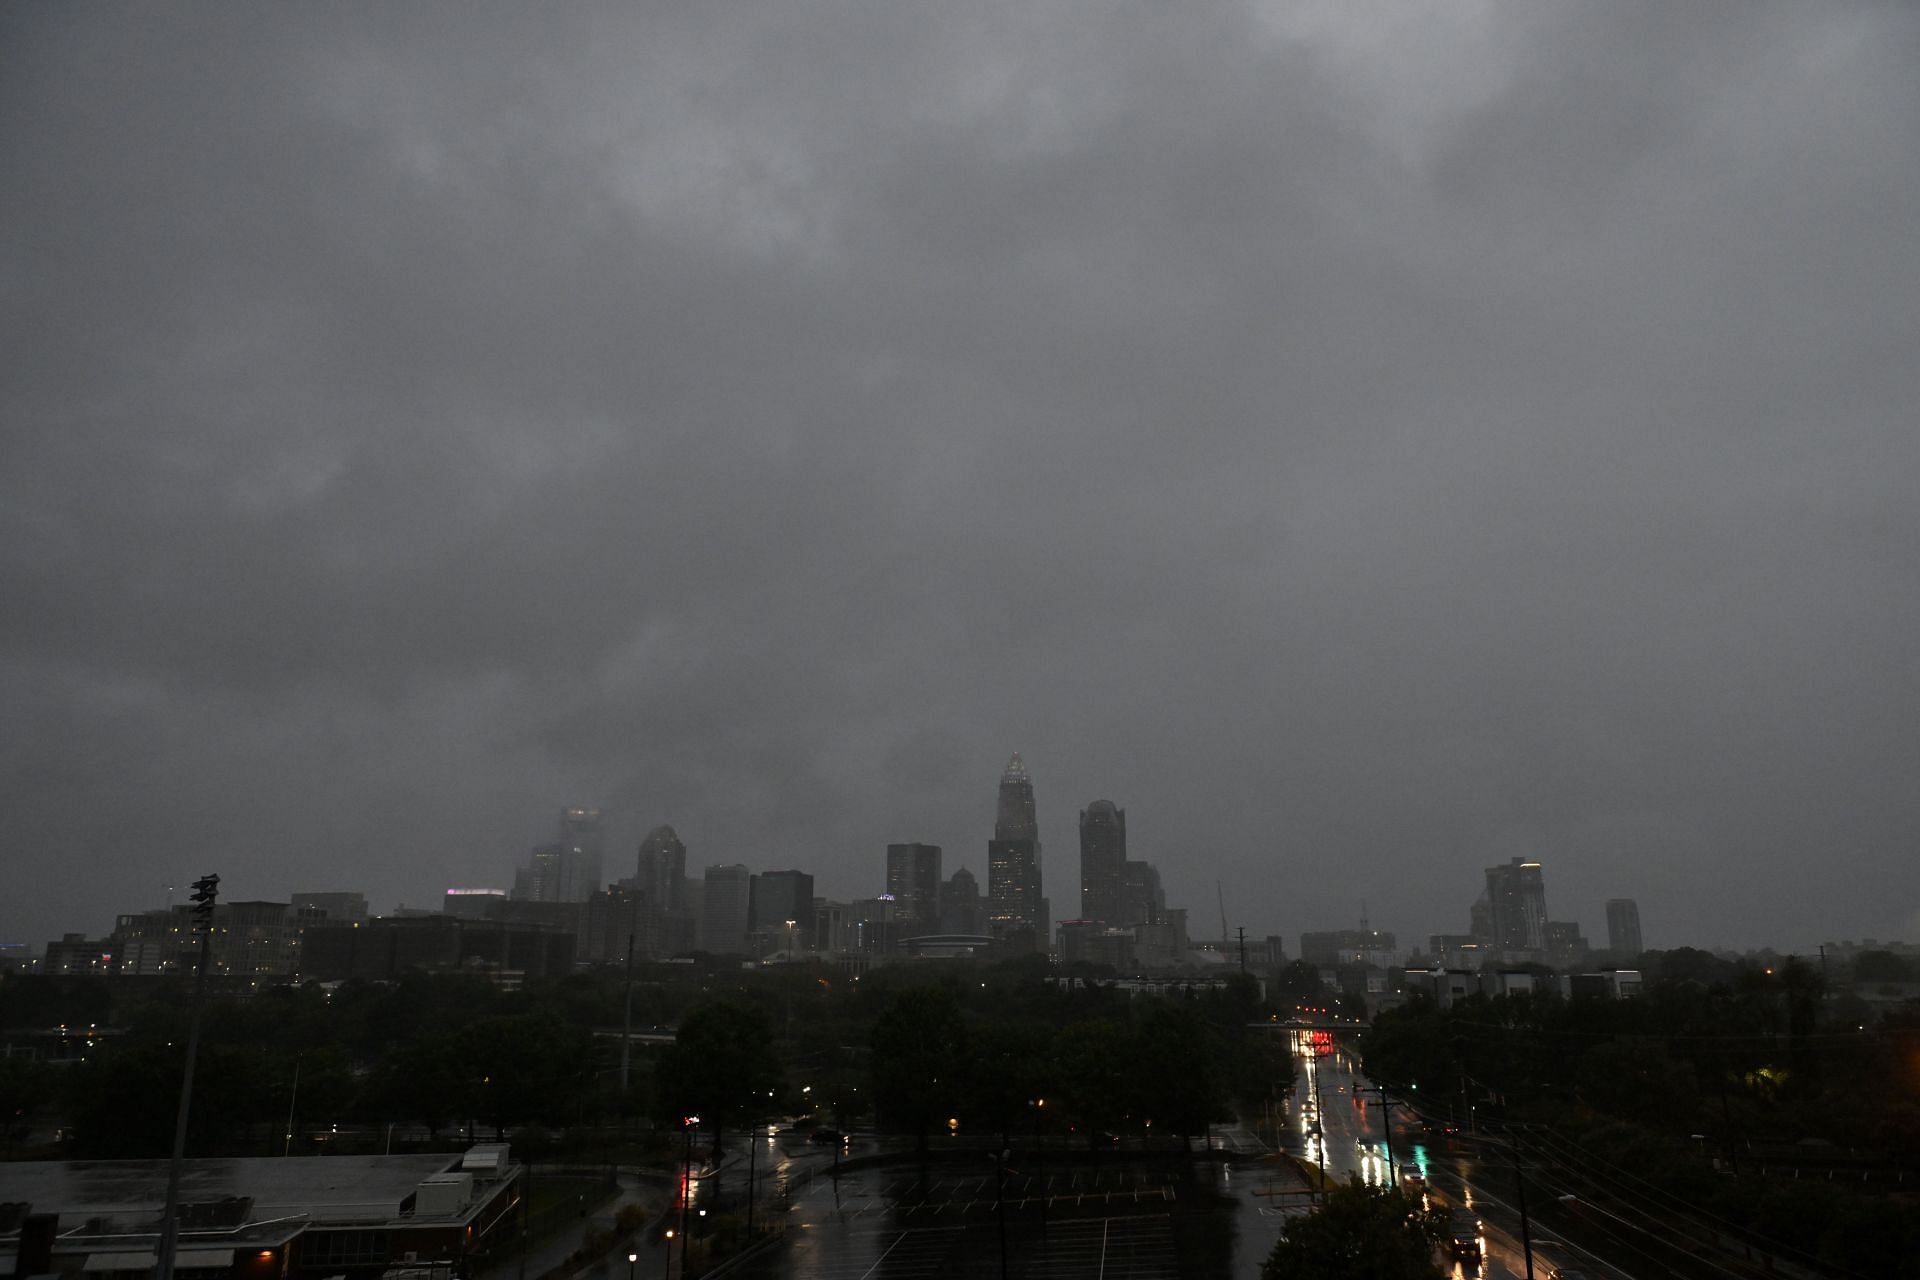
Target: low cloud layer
(1363,444)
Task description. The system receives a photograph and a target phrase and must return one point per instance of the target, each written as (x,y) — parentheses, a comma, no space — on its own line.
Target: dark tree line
(999,1048)
(1093,1064)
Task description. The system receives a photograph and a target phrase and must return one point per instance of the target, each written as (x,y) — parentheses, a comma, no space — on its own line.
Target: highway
(1352,1140)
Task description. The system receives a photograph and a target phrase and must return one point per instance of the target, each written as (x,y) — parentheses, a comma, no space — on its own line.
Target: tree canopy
(1360,1233)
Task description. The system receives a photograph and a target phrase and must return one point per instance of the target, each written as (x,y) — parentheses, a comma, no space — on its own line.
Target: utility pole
(1386,1128)
(1520,1188)
(626,1028)
(206,890)
(1000,1204)
(291,1103)
(686,1190)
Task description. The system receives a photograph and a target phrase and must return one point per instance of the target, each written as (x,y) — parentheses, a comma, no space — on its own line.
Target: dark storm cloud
(1365,446)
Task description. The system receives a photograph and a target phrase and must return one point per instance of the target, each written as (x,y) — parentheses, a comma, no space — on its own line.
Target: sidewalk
(551,1251)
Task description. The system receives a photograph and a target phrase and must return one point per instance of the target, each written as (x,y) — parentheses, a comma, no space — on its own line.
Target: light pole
(666,1258)
(1039,1106)
(689,1123)
(206,891)
(633,1259)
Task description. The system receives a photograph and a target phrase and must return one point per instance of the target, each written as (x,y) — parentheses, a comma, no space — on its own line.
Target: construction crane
(1221,894)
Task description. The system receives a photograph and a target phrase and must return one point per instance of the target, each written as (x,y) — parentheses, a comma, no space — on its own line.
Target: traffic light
(205,890)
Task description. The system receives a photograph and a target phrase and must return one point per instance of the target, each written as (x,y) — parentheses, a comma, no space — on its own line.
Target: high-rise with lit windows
(1013,858)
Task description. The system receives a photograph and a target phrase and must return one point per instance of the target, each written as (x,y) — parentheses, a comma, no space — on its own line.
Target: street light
(689,1123)
(666,1259)
(633,1258)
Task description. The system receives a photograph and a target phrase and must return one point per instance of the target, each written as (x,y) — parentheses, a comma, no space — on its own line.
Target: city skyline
(1515,918)
(1368,444)
(1509,916)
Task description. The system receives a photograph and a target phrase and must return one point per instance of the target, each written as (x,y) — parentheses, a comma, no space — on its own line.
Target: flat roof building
(260,1218)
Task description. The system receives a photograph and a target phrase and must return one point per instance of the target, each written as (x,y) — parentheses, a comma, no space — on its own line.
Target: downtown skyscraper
(913,878)
(1014,904)
(1103,862)
(1517,906)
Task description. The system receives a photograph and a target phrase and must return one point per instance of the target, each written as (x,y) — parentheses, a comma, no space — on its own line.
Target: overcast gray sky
(1365,442)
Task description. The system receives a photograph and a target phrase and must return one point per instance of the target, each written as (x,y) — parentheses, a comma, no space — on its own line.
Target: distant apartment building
(1458,950)
(76,953)
(258,941)
(255,940)
(387,947)
(1623,927)
(1334,947)
(1093,942)
(1566,945)
(1607,984)
(150,942)
(475,904)
(1162,943)
(1517,906)
(728,892)
(1447,986)
(336,906)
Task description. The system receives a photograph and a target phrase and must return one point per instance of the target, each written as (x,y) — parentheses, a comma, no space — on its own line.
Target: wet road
(1352,1140)
(1062,1215)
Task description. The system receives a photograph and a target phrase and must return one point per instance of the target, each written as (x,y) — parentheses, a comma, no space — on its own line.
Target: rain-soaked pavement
(1054,1216)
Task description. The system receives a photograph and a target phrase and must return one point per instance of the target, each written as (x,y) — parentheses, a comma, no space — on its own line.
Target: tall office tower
(568,870)
(960,909)
(1517,906)
(544,878)
(1103,860)
(780,909)
(1142,900)
(1013,858)
(662,872)
(1013,817)
(580,835)
(1623,927)
(728,893)
(913,878)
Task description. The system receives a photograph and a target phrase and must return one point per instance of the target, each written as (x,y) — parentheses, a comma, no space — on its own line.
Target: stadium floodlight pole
(206,890)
